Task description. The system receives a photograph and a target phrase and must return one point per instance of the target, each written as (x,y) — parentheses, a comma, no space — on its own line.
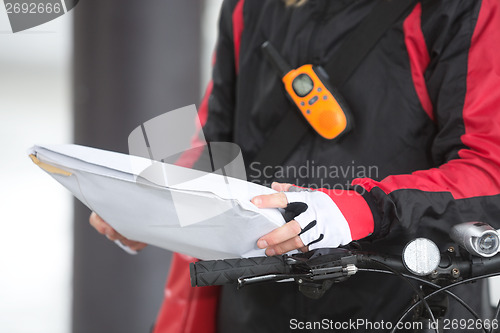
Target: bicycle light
(477,238)
(421,256)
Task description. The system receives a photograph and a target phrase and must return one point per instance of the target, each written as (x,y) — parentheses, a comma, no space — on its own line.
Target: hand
(313,220)
(105,229)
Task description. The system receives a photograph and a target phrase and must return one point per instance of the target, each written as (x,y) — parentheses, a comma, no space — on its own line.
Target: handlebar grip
(220,272)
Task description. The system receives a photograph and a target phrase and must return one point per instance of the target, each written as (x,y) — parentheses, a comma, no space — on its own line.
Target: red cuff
(355,210)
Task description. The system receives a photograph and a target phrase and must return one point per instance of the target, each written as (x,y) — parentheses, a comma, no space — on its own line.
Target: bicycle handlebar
(329,264)
(315,271)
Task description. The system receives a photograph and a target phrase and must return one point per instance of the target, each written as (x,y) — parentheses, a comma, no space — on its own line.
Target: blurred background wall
(35,221)
(133,60)
(127,61)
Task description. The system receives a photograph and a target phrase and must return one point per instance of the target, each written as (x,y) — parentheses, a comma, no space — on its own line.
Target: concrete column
(133,60)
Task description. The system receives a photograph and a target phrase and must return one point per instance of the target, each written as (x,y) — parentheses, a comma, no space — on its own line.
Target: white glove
(322,222)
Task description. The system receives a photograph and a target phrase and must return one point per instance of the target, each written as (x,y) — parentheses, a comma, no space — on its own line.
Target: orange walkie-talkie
(309,89)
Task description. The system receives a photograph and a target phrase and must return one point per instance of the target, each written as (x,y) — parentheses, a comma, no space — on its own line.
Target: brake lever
(243,281)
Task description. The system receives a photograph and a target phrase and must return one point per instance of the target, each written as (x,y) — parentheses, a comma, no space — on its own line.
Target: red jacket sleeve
(463,81)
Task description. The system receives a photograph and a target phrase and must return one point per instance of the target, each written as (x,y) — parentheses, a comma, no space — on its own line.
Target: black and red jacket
(426,104)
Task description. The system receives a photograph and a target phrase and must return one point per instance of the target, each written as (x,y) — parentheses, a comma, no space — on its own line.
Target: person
(424,153)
